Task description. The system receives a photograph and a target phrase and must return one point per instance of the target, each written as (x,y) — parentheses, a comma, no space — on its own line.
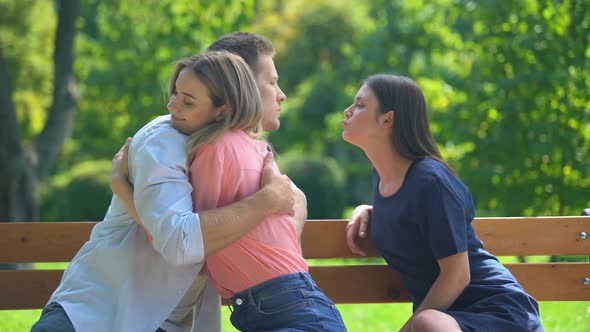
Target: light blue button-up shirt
(118,281)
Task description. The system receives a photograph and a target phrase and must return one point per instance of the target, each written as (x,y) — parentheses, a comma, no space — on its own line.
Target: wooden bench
(365,282)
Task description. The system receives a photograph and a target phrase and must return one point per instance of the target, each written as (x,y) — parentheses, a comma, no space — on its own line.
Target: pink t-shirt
(227,171)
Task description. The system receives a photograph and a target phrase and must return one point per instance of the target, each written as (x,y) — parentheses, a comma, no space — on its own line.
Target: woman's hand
(120,184)
(358,225)
(120,164)
(120,173)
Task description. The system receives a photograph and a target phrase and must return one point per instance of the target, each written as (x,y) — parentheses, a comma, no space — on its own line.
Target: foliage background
(507,86)
(506,82)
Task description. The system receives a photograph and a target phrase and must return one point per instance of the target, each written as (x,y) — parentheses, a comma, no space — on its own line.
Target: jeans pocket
(288,300)
(317,295)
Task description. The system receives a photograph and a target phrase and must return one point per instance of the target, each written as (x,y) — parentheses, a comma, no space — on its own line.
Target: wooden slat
(31,242)
(327,239)
(379,283)
(59,241)
(554,281)
(501,236)
(27,289)
(534,235)
(360,284)
(343,284)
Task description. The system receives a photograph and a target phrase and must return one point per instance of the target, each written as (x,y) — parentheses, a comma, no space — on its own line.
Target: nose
(347,112)
(281,96)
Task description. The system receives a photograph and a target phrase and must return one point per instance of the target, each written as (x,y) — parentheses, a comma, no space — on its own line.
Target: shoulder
(237,144)
(438,181)
(431,173)
(427,172)
(160,127)
(159,140)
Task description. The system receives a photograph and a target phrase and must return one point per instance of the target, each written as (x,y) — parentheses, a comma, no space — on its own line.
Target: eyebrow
(188,95)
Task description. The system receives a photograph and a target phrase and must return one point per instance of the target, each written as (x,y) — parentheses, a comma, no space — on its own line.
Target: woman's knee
(426,321)
(431,320)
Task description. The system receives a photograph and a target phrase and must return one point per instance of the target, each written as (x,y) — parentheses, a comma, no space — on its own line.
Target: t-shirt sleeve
(444,225)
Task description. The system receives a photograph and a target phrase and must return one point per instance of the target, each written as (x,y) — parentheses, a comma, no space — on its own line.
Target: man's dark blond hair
(250,46)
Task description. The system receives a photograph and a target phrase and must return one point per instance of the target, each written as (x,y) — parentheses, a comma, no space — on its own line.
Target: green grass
(556,316)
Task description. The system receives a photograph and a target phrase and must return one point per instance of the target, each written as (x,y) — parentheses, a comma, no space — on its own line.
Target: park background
(507,85)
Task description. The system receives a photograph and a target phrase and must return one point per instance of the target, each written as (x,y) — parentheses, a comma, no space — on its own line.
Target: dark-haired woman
(421,219)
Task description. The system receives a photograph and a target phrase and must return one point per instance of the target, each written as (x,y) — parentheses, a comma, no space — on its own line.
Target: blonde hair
(230,83)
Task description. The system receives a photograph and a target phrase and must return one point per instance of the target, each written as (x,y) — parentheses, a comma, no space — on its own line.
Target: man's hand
(278,189)
(358,225)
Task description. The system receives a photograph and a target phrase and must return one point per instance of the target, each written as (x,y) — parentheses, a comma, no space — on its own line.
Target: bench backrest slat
(58,242)
(501,236)
(380,284)
(32,242)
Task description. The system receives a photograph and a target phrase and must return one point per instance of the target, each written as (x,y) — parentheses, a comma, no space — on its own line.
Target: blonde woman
(214,99)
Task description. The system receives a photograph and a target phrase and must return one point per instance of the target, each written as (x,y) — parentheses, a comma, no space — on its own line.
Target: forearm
(454,276)
(124,191)
(300,216)
(443,293)
(223,226)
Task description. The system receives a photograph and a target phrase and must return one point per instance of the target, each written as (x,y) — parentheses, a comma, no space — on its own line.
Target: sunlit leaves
(27,44)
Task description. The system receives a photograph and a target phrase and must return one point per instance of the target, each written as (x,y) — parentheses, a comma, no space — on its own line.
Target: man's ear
(220,112)
(387,119)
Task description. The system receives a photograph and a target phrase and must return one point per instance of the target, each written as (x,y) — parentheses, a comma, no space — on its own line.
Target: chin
(346,138)
(271,126)
(180,129)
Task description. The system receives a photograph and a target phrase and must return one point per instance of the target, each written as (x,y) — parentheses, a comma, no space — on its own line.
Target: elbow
(466,279)
(457,279)
(463,278)
(183,250)
(172,258)
(176,236)
(182,257)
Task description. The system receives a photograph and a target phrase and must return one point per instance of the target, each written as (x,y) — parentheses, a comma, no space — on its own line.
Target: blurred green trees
(507,86)
(38,97)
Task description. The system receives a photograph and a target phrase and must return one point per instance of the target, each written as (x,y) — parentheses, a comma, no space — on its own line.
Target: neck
(389,164)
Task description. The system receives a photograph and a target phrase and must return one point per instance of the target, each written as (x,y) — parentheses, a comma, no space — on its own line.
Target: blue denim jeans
(53,319)
(292,302)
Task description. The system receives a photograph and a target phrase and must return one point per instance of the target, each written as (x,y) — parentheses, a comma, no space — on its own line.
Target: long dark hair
(411,130)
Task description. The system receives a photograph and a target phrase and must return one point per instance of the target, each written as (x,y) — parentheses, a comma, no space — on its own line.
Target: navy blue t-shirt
(427,219)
